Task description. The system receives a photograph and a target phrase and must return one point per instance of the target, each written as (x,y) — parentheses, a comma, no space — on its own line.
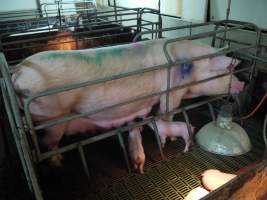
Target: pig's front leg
(51,139)
(175,98)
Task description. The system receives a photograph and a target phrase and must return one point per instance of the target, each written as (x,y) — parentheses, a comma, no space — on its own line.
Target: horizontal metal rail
(72,34)
(111,133)
(97,14)
(69,118)
(241,25)
(66,42)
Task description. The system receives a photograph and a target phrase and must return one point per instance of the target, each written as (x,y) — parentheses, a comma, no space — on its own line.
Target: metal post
(84,162)
(156,133)
(227,18)
(35,188)
(160,20)
(211,112)
(115,9)
(126,158)
(188,124)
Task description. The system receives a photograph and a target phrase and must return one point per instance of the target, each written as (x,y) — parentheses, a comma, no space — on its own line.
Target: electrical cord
(255,109)
(264,134)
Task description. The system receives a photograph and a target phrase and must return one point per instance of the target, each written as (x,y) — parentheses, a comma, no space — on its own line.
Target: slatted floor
(171,178)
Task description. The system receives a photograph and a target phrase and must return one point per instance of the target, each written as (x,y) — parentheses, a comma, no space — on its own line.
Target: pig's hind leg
(51,140)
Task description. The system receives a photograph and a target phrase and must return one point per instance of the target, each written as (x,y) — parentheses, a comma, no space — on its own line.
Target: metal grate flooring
(171,178)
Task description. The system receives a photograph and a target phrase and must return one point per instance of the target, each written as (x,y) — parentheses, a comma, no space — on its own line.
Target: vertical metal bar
(190,29)
(228,10)
(115,9)
(156,133)
(264,134)
(84,162)
(152,26)
(126,158)
(168,89)
(15,132)
(236,98)
(39,8)
(214,36)
(59,13)
(256,53)
(253,72)
(188,125)
(17,119)
(222,43)
(139,20)
(159,19)
(157,32)
(211,112)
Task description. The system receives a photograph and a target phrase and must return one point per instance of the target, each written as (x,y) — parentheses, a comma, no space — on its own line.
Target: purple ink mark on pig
(186,69)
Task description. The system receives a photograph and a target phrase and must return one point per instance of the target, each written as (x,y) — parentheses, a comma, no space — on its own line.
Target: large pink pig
(52,69)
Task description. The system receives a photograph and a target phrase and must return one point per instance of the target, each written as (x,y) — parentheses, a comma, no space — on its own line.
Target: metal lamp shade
(223,136)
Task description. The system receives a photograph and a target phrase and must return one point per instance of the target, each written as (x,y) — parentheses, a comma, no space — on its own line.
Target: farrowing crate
(24,131)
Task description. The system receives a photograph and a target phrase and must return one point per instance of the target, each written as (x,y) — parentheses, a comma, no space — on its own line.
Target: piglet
(173,130)
(213,179)
(196,194)
(136,149)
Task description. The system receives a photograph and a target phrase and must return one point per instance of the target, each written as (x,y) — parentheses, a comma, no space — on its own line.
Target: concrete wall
(254,11)
(11,5)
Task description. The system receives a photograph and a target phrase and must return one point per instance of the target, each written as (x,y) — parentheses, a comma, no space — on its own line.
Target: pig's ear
(223,63)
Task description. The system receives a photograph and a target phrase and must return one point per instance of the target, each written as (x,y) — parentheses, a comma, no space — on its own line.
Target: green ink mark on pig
(89,57)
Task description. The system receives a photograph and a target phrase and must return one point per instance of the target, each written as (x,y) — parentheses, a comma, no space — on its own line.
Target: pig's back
(61,67)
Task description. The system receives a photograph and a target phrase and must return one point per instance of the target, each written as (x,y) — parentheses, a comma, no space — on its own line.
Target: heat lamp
(223,136)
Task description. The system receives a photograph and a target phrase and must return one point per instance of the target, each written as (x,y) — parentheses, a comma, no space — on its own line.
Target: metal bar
(19,125)
(72,117)
(70,41)
(196,36)
(245,24)
(73,34)
(98,24)
(155,11)
(172,16)
(156,133)
(233,41)
(188,125)
(115,9)
(256,53)
(236,98)
(15,133)
(226,26)
(93,139)
(214,36)
(212,112)
(84,162)
(114,15)
(125,155)
(263,60)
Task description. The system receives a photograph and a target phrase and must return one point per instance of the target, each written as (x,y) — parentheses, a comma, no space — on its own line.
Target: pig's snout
(237,86)
(14,81)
